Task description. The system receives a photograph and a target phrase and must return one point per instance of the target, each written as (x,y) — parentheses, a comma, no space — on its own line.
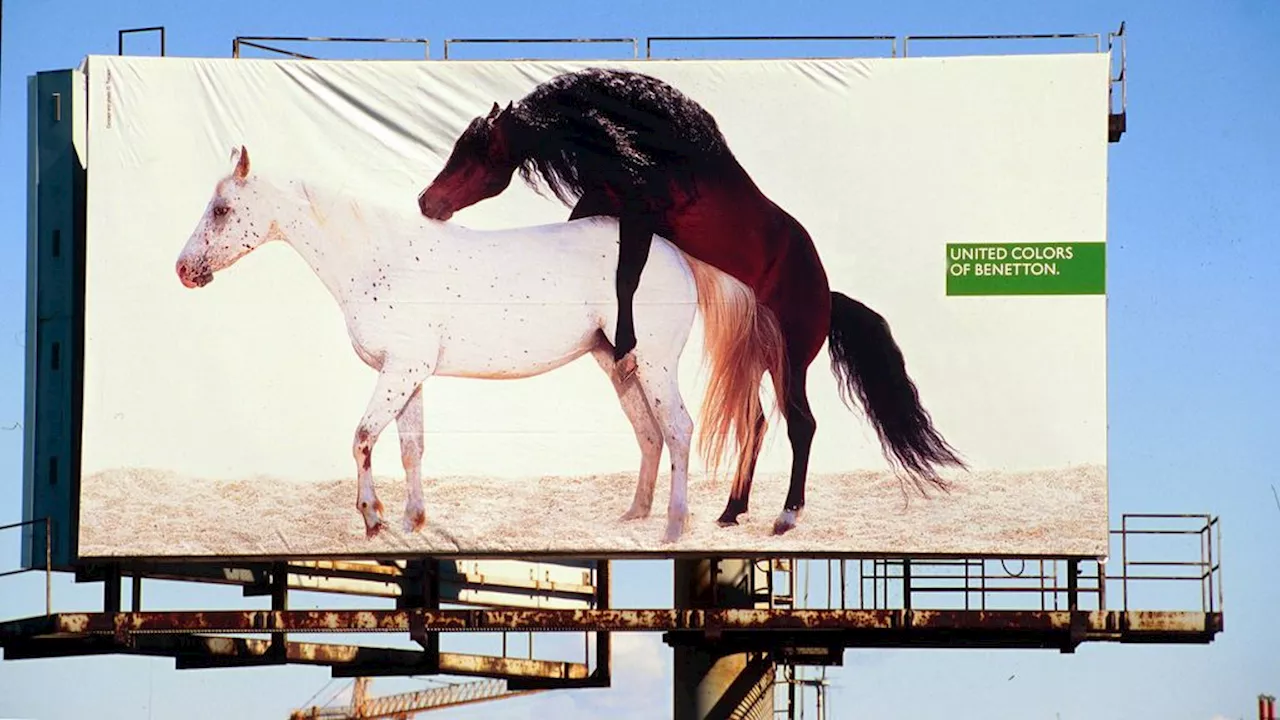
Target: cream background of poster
(884,161)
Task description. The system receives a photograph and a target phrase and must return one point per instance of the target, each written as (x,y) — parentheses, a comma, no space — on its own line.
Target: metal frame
(120,37)
(1118,120)
(898,603)
(48,558)
(253,42)
(648,43)
(198,644)
(635,45)
(1096,37)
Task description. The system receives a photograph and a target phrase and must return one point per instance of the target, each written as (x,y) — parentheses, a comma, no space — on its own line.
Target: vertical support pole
(1077,632)
(1207,569)
(1124,563)
(1102,586)
(420,590)
(48,566)
(279,603)
(135,596)
(906,584)
(111,589)
(1073,585)
(1218,564)
(712,682)
(604,640)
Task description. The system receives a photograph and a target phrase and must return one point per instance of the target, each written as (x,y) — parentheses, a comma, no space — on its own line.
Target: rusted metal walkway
(806,612)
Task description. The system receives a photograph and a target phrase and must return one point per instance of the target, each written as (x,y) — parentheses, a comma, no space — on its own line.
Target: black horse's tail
(868,364)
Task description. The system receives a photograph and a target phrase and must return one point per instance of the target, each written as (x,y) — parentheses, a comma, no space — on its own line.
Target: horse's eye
(221,210)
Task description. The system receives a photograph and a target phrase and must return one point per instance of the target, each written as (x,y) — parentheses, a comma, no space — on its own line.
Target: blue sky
(1192,324)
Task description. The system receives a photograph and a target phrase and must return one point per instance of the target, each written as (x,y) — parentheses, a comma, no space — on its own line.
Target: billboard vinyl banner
(608,309)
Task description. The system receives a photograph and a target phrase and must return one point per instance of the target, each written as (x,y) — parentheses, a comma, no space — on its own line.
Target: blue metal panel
(55,312)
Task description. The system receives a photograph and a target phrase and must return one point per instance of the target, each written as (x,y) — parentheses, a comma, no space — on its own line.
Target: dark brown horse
(630,146)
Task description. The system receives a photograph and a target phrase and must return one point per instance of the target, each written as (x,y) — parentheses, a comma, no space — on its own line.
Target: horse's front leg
(397,384)
(409,427)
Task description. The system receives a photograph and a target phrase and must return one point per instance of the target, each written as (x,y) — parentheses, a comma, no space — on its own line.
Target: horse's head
(480,166)
(227,231)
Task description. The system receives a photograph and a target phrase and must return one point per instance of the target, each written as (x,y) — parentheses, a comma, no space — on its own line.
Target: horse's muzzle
(433,209)
(193,277)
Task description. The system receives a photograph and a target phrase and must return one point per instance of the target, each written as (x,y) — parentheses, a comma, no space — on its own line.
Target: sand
(150,513)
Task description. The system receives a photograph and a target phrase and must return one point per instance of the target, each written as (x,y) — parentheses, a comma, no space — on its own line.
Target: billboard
(365,309)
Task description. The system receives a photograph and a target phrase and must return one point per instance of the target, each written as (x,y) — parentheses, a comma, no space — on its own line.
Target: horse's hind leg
(740,493)
(801,427)
(409,428)
(648,434)
(662,391)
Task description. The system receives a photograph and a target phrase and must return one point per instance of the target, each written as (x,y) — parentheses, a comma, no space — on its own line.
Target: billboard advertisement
(368,309)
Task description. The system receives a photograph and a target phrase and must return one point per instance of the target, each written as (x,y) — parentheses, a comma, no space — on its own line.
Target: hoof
(634,514)
(786,521)
(727,519)
(625,369)
(372,519)
(415,520)
(675,529)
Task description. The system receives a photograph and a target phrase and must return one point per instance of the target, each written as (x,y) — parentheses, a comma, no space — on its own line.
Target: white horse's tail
(742,340)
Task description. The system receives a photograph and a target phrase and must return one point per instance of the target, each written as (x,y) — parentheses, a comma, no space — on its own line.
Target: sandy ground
(152,513)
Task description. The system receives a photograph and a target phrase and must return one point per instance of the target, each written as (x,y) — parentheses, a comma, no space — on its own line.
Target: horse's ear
(493,112)
(510,104)
(242,165)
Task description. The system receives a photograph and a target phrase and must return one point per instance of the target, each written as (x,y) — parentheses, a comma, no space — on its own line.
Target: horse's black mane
(598,127)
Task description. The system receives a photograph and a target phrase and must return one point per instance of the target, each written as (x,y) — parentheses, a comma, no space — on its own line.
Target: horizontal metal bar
(23,523)
(957,576)
(635,45)
(648,43)
(1187,578)
(123,625)
(1020,36)
(299,38)
(518,41)
(1045,591)
(268,48)
(1137,531)
(754,38)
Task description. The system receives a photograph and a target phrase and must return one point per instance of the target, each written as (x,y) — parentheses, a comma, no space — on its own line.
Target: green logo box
(1027,268)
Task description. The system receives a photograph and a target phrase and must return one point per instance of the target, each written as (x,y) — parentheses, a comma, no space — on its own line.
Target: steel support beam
(884,628)
(712,679)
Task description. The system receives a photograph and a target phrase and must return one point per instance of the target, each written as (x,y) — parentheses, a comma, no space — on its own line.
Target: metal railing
(48,558)
(1120,77)
(1206,570)
(1042,584)
(1117,90)
(1112,39)
(256,42)
(1096,37)
(648,43)
(635,44)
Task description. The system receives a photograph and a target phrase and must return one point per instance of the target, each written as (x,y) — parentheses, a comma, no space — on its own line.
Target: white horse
(424,298)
